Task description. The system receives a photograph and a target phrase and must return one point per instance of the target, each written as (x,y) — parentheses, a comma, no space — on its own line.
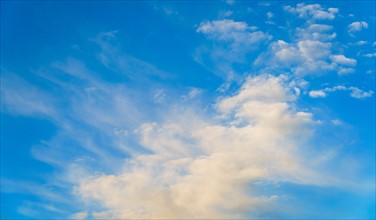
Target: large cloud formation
(204,168)
(141,152)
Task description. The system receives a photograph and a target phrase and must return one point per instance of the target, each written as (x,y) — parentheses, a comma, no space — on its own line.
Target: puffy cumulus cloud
(305,57)
(314,50)
(341,59)
(312,11)
(311,51)
(355,92)
(205,168)
(321,32)
(357,26)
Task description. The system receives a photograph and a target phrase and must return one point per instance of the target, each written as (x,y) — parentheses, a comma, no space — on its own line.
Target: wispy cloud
(23,98)
(91,115)
(354,92)
(234,40)
(123,64)
(370,55)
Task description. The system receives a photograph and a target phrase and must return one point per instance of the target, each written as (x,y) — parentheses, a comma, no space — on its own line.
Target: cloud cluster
(129,158)
(312,11)
(312,50)
(354,92)
(200,168)
(305,57)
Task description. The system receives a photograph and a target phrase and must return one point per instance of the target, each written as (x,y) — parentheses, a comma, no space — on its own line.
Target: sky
(188,110)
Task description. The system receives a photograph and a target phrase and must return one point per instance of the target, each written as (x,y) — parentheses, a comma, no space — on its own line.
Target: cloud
(359,43)
(356,27)
(233,41)
(317,94)
(370,55)
(123,64)
(312,11)
(311,52)
(354,92)
(205,168)
(237,34)
(341,59)
(320,32)
(129,158)
(359,94)
(305,57)
(92,116)
(167,10)
(269,15)
(19,97)
(80,215)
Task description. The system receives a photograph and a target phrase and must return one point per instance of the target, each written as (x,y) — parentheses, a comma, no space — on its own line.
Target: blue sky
(183,109)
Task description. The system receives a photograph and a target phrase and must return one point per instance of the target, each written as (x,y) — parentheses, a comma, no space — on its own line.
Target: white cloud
(312,52)
(204,168)
(238,34)
(344,71)
(317,94)
(341,59)
(183,165)
(359,94)
(370,55)
(354,92)
(312,11)
(305,57)
(357,26)
(320,32)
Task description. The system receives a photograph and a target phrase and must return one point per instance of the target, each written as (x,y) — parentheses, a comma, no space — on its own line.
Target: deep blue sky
(184,109)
